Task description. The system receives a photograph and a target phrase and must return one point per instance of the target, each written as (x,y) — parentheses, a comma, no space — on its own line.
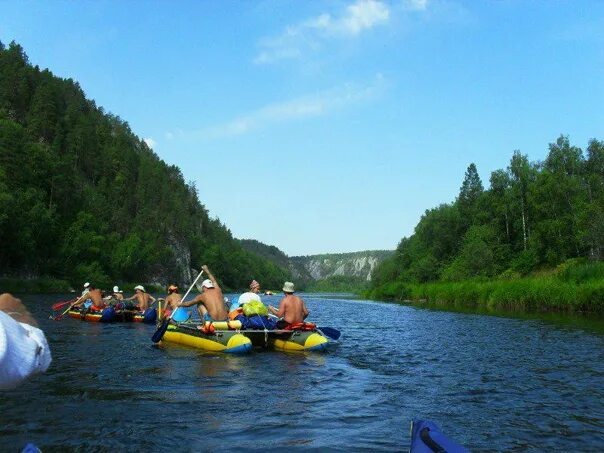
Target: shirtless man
(210,303)
(115,296)
(291,308)
(95,296)
(142,298)
(172,300)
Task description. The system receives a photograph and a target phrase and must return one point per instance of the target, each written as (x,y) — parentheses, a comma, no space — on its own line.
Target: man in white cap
(86,288)
(210,303)
(117,293)
(291,307)
(142,298)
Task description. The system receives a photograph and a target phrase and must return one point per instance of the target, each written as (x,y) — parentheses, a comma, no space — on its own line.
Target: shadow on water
(589,322)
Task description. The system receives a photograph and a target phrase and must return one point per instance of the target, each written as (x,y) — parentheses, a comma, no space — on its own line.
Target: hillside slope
(83,198)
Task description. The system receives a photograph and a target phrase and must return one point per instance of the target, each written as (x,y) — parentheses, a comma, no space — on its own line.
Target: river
(492,383)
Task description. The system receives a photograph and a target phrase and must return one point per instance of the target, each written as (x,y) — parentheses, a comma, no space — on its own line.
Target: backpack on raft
(257,322)
(255,307)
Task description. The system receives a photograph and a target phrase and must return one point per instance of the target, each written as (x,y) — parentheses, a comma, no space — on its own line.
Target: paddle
(59,305)
(56,318)
(161,330)
(330,332)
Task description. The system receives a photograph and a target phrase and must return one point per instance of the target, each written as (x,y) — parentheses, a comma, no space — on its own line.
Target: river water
(492,383)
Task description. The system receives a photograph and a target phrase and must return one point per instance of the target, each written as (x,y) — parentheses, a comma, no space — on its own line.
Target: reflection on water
(492,383)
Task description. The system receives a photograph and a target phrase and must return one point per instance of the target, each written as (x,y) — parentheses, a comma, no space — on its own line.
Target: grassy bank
(53,285)
(34,285)
(569,288)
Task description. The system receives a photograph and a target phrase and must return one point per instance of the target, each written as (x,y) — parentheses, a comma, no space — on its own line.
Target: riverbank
(48,285)
(567,289)
(45,285)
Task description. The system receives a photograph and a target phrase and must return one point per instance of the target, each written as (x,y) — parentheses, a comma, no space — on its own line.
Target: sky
(329,126)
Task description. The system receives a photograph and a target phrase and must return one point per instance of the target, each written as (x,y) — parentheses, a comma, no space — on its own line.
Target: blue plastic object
(426,437)
(181,315)
(150,316)
(108,315)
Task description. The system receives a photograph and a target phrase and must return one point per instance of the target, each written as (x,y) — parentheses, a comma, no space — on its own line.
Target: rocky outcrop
(307,269)
(320,267)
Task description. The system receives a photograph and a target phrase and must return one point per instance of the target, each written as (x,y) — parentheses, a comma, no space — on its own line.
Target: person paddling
(118,294)
(291,308)
(142,298)
(172,299)
(92,299)
(210,303)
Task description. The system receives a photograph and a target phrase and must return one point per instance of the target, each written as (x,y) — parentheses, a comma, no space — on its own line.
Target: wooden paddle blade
(330,332)
(161,330)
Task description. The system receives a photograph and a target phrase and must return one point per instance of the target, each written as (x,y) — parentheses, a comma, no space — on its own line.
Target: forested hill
(83,198)
(533,217)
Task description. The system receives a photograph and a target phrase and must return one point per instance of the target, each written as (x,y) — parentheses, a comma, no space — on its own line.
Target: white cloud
(314,105)
(150,142)
(416,5)
(308,35)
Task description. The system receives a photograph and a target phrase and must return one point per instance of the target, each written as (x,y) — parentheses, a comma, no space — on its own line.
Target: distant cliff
(359,265)
(333,270)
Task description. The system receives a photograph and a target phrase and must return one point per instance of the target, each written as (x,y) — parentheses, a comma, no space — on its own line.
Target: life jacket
(303,326)
(235,313)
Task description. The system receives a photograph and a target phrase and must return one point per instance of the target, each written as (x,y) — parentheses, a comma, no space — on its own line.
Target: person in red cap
(172,299)
(249,296)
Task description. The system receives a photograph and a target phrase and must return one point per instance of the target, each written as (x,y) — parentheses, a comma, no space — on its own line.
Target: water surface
(492,383)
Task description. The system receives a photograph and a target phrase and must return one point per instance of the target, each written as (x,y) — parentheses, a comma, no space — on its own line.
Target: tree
(469,193)
(522,173)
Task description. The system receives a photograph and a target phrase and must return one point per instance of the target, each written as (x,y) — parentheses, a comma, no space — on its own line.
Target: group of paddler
(94,299)
(213,306)
(210,302)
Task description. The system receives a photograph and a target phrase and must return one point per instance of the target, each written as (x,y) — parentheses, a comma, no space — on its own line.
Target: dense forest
(82,198)
(534,218)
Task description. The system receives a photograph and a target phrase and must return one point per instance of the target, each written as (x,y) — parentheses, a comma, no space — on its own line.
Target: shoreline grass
(567,289)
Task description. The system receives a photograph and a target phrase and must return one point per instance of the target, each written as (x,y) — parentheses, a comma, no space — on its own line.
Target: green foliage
(533,294)
(36,286)
(534,216)
(84,199)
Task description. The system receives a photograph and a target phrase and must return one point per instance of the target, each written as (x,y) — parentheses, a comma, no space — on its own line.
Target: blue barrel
(108,315)
(150,316)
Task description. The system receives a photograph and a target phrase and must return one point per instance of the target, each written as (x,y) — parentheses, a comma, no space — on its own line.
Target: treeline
(534,216)
(82,198)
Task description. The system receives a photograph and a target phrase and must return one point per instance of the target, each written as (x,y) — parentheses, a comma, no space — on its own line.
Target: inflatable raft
(230,341)
(110,314)
(278,340)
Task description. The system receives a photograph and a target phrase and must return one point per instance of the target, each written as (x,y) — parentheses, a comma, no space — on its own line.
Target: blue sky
(329,126)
